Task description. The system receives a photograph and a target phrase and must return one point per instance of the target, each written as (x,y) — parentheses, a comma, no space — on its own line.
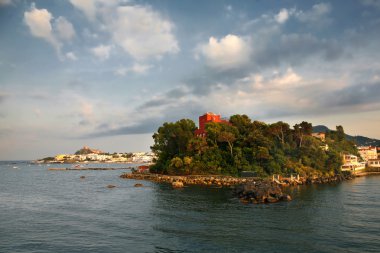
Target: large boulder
(177,184)
(260,192)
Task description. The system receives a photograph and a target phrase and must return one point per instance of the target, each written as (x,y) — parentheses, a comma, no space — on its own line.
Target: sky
(108,73)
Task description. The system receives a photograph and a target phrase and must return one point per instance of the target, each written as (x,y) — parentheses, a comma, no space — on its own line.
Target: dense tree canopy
(246,145)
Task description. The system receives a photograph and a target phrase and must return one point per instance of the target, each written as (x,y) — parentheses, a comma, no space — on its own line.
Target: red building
(207,118)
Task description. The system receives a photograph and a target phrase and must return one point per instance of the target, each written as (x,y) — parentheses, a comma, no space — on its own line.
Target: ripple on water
(45,211)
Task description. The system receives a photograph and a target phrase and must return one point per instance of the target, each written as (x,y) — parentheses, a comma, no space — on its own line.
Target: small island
(257,155)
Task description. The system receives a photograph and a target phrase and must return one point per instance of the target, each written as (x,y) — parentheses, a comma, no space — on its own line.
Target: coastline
(367,173)
(229,181)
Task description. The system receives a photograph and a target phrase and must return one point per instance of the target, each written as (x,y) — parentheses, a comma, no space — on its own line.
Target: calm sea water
(56,211)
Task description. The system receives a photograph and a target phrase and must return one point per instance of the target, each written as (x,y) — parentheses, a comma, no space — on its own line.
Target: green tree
(229,138)
(340,133)
(279,130)
(171,140)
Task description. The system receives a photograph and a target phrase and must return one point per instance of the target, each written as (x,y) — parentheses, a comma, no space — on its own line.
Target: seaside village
(89,155)
(369,157)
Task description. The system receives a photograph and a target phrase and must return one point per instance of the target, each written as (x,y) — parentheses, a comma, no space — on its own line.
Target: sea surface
(57,211)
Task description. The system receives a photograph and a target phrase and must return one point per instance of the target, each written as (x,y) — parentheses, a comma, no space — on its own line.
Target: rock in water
(139,185)
(260,192)
(82,177)
(111,186)
(177,184)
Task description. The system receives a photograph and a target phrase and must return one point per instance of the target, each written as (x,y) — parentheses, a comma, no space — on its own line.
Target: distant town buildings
(207,118)
(138,157)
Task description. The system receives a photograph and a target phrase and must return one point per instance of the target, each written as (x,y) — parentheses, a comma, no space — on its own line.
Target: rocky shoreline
(205,180)
(228,181)
(248,189)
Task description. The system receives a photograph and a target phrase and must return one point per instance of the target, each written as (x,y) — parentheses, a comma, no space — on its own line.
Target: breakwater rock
(260,192)
(205,180)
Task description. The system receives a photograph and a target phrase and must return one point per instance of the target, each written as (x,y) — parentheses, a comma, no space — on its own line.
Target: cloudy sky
(108,73)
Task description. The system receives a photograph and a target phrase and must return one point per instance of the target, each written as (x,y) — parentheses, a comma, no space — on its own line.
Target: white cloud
(86,6)
(287,80)
(71,56)
(142,33)
(282,16)
(315,14)
(38,21)
(139,30)
(102,52)
(140,68)
(136,68)
(275,81)
(64,28)
(227,53)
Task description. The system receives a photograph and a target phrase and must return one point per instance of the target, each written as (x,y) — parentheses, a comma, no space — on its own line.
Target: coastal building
(368,152)
(351,163)
(319,135)
(373,163)
(207,118)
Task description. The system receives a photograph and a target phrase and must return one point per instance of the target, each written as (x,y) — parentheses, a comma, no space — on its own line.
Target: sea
(58,211)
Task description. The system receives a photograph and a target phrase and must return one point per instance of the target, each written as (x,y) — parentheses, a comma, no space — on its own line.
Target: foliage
(246,145)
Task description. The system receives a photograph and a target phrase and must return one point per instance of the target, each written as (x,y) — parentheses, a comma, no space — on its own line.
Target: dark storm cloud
(170,113)
(361,94)
(167,98)
(295,49)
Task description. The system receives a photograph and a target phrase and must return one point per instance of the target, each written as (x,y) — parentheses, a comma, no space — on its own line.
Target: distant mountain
(320,128)
(359,140)
(86,150)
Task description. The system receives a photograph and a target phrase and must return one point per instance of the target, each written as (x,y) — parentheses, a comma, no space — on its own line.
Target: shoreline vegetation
(241,145)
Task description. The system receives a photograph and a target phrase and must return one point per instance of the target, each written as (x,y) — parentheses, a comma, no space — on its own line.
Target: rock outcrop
(260,192)
(205,180)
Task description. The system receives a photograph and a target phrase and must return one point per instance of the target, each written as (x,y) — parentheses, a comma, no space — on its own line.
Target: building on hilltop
(319,135)
(207,118)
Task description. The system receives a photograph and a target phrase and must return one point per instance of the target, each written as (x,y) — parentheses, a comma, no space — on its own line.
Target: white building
(374,163)
(367,152)
(350,163)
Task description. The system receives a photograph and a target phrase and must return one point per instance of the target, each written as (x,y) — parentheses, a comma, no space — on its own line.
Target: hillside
(359,140)
(86,150)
